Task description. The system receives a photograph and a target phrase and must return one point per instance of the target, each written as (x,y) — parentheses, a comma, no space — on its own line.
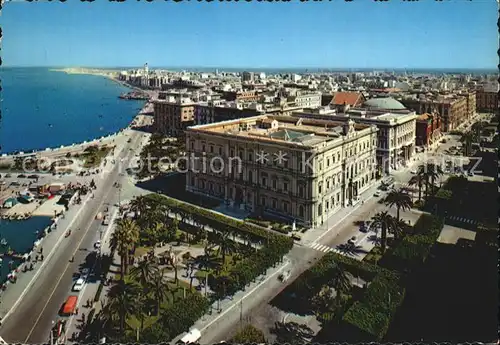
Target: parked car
(34,176)
(80,282)
(377,194)
(8,175)
(284,276)
(21,176)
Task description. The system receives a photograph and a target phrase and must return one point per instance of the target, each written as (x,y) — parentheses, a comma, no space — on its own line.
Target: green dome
(384,103)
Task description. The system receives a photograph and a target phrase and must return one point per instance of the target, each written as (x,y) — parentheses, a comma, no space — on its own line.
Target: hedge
(213,219)
(372,315)
(310,282)
(413,250)
(272,251)
(181,315)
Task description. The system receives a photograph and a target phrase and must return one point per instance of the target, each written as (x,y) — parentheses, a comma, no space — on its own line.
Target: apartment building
(299,169)
(395,135)
(428,130)
(173,114)
(304,99)
(241,96)
(454,109)
(211,112)
(487,97)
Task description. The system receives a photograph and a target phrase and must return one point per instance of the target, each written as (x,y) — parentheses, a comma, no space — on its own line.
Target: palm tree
(123,239)
(144,272)
(467,140)
(122,299)
(339,281)
(383,220)
(400,199)
(419,181)
(159,288)
(139,205)
(433,171)
(226,246)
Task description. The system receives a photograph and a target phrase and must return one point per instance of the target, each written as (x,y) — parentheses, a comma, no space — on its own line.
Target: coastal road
(32,319)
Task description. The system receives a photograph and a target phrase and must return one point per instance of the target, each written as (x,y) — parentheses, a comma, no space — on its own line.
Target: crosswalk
(462,219)
(322,248)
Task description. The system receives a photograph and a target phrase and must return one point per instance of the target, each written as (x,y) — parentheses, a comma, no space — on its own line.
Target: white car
(377,194)
(414,171)
(97,245)
(284,276)
(80,282)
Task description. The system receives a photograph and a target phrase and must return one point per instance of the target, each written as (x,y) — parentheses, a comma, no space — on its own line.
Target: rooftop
(384,103)
(281,129)
(348,98)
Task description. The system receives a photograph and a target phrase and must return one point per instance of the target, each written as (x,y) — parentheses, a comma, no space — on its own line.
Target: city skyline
(257,36)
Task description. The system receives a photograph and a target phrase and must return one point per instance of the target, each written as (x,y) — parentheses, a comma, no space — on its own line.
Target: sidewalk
(216,315)
(317,233)
(11,297)
(90,289)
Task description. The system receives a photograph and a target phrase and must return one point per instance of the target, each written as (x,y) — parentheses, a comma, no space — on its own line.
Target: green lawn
(93,158)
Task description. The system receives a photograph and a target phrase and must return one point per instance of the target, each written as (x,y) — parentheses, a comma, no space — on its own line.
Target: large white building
(396,129)
(300,169)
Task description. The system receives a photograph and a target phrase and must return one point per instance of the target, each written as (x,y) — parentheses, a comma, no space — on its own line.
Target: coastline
(94,141)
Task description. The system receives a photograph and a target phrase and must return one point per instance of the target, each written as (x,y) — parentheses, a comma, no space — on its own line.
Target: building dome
(384,103)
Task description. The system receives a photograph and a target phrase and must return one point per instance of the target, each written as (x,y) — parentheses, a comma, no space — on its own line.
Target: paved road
(31,321)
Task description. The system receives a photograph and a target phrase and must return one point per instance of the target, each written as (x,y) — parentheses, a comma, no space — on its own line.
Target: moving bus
(70,305)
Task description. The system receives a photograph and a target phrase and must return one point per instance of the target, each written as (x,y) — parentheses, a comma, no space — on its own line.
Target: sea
(43,109)
(19,236)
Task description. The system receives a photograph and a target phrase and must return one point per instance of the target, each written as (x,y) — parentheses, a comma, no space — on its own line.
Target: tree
(339,281)
(144,272)
(467,140)
(400,199)
(122,298)
(139,205)
(383,220)
(226,246)
(159,288)
(247,335)
(418,180)
(123,239)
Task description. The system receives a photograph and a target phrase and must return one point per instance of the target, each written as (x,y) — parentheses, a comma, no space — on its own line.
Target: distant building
(173,115)
(341,99)
(395,135)
(452,108)
(248,95)
(487,97)
(247,77)
(428,130)
(212,113)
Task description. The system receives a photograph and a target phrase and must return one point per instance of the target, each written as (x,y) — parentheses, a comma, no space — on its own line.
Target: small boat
(3,242)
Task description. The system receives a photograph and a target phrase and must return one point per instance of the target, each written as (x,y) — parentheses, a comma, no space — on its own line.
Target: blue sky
(336,34)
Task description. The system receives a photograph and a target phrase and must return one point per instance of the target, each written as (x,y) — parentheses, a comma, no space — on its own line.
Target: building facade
(307,99)
(428,130)
(395,135)
(486,101)
(171,117)
(299,169)
(208,113)
(454,110)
